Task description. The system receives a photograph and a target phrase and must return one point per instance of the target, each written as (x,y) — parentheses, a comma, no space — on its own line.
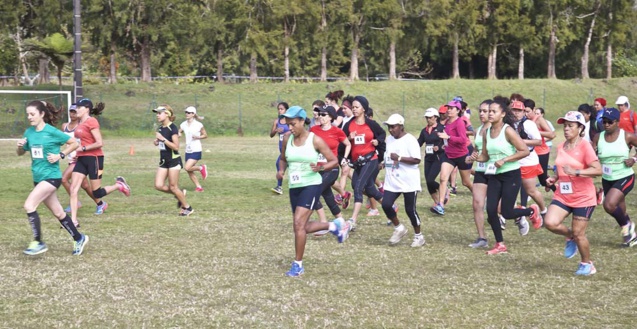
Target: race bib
(566,187)
(281,137)
(607,170)
(388,162)
(295,177)
(491,169)
(481,166)
(161,146)
(188,149)
(359,139)
(321,158)
(429,149)
(37,152)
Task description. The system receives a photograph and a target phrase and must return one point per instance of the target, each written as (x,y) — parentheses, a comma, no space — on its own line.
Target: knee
(173,187)
(609,206)
(467,183)
(29,207)
(159,187)
(99,193)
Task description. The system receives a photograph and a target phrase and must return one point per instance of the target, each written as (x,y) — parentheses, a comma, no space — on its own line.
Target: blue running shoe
(36,248)
(586,269)
(295,270)
(438,209)
(342,229)
(78,247)
(100,209)
(570,249)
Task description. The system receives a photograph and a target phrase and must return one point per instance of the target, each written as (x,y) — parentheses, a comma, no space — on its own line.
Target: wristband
(83,148)
(399,157)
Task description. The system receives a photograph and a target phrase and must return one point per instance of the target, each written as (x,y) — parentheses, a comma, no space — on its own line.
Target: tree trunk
(59,74)
(551,64)
(253,67)
(219,62)
(392,60)
(324,64)
(492,63)
(455,74)
(23,60)
(145,59)
(521,64)
(112,76)
(43,70)
(353,70)
(472,73)
(586,47)
(286,63)
(609,60)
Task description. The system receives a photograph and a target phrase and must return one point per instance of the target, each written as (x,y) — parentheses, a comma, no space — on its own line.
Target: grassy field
(224,266)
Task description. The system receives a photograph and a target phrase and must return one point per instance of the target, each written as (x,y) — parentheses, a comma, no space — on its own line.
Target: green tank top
(499,148)
(612,155)
(480,166)
(300,173)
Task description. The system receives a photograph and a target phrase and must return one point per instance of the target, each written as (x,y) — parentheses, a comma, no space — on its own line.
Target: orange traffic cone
(132,150)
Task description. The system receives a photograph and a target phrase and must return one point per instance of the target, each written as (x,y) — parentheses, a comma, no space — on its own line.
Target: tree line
(354,39)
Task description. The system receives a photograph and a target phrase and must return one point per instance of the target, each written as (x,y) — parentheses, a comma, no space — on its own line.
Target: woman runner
(279,127)
(195,132)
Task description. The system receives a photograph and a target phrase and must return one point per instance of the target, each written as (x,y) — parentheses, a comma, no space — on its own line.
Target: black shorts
(56,182)
(480,178)
(625,184)
(306,197)
(174,163)
(458,162)
(90,165)
(585,212)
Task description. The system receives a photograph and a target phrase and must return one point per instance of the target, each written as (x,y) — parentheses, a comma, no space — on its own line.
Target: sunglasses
(608,122)
(316,109)
(323,114)
(190,112)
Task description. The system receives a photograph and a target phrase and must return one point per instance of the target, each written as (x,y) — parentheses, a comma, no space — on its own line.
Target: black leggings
(544,162)
(363,181)
(504,187)
(329,177)
(410,205)
(432,170)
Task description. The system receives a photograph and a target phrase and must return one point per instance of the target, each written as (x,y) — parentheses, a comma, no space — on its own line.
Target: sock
(620,217)
(100,203)
(332,227)
(299,262)
(417,235)
(543,212)
(397,227)
(34,220)
(68,225)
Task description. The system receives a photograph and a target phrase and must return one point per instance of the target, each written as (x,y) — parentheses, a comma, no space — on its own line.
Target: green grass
(251,107)
(224,266)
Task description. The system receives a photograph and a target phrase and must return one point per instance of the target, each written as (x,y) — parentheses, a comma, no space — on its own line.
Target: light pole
(78,92)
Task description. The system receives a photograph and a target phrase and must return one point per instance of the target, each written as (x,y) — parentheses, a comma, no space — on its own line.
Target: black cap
(85,102)
(330,110)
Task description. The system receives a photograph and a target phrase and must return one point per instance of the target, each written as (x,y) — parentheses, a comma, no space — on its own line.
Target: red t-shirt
(83,132)
(332,137)
(625,121)
(573,191)
(362,143)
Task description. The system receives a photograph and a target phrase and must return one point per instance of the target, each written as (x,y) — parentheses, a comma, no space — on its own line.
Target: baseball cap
(431,112)
(442,109)
(85,102)
(611,113)
(621,100)
(518,105)
(295,112)
(395,119)
(455,104)
(330,110)
(73,107)
(191,109)
(160,109)
(572,116)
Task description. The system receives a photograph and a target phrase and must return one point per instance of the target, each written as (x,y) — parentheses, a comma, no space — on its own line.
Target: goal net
(13,118)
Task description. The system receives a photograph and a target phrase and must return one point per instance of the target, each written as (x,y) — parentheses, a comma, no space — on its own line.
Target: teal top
(40,144)
(300,173)
(480,166)
(612,155)
(499,148)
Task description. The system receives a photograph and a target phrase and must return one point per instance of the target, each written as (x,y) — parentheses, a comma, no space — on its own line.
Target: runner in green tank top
(618,178)
(299,155)
(43,142)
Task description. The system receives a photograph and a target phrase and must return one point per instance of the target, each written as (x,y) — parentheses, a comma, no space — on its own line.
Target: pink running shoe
(199,189)
(535,218)
(499,248)
(204,172)
(122,186)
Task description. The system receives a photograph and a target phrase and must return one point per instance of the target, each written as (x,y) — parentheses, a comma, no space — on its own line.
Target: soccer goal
(13,118)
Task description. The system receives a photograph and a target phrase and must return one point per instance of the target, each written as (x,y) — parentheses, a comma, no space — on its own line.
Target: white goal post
(12,103)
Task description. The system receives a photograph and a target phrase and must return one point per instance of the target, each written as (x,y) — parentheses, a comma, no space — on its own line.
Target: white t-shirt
(193,129)
(533,132)
(587,129)
(402,177)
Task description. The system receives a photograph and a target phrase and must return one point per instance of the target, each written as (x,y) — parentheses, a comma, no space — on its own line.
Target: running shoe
(346,199)
(78,246)
(342,229)
(586,269)
(68,209)
(101,209)
(352,224)
(419,241)
(438,210)
(503,222)
(373,213)
(122,185)
(479,243)
(453,192)
(523,225)
(631,243)
(338,199)
(447,196)
(570,249)
(535,217)
(399,233)
(199,189)
(204,171)
(628,233)
(499,248)
(321,233)
(186,211)
(295,270)
(277,190)
(600,196)
(36,248)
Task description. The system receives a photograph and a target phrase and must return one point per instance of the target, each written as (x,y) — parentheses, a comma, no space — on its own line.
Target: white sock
(398,227)
(332,227)
(543,212)
(418,235)
(300,262)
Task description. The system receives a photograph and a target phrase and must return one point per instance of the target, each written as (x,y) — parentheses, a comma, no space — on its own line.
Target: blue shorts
(585,212)
(306,197)
(193,155)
